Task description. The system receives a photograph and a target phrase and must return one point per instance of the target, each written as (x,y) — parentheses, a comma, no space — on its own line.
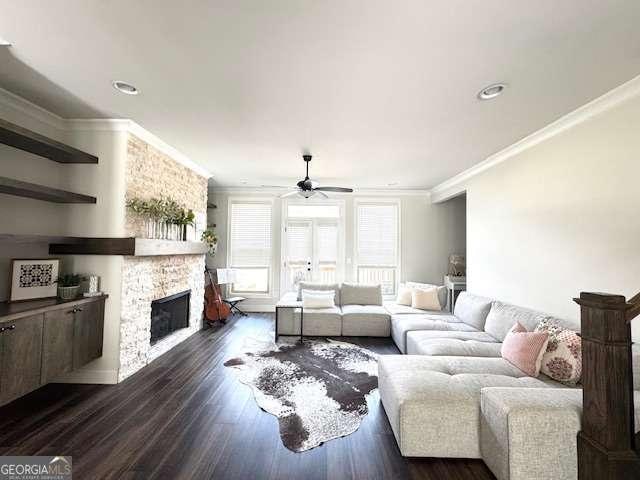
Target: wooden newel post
(606,443)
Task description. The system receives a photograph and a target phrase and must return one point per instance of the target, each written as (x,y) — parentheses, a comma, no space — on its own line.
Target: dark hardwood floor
(186,416)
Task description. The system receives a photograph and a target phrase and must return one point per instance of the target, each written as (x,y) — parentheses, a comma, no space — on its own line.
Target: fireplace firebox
(169,314)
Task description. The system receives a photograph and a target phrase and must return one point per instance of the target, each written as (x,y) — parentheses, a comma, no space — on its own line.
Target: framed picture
(33,278)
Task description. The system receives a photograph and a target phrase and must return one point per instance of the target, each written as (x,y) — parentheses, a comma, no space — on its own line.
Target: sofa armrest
(530,433)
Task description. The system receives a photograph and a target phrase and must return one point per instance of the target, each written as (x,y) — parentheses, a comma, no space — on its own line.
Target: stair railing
(607,444)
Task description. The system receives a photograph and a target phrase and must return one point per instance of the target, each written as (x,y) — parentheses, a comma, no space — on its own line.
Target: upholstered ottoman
(433,403)
(530,433)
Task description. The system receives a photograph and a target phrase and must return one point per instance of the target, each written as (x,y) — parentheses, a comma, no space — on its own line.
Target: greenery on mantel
(165,218)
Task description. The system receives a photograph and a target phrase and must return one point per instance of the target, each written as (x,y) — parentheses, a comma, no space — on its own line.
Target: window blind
(299,245)
(377,234)
(250,235)
(327,242)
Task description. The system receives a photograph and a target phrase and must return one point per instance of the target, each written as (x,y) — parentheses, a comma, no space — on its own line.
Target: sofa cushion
(323,322)
(356,294)
(530,433)
(318,298)
(562,359)
(425,299)
(416,338)
(401,324)
(502,316)
(442,291)
(319,287)
(455,347)
(394,308)
(365,321)
(433,403)
(473,309)
(404,295)
(525,349)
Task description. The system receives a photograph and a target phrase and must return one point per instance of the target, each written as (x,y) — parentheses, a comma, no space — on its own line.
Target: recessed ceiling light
(125,87)
(4,43)
(492,91)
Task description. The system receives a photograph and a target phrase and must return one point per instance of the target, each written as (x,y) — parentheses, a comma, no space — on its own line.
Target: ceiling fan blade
(290,194)
(334,189)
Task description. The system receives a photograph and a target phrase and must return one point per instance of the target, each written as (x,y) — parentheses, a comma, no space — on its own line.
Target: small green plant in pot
(69,286)
(210,238)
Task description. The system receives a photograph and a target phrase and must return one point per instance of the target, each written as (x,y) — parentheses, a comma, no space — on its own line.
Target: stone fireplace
(151,173)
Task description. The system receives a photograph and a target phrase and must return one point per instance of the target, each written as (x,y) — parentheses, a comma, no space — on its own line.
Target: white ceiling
(379,91)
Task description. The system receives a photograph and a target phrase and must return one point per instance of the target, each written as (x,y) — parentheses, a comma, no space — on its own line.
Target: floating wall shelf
(40,192)
(32,142)
(139,247)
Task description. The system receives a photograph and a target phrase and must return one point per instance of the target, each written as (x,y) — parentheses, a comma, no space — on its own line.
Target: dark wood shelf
(32,142)
(40,192)
(139,247)
(11,310)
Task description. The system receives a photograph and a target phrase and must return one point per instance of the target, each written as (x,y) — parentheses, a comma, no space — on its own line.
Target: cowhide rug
(317,389)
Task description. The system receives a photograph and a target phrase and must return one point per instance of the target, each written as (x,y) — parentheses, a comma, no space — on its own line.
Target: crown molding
(40,114)
(30,109)
(275,191)
(457,184)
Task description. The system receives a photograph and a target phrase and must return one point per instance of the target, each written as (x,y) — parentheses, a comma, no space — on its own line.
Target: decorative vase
(68,293)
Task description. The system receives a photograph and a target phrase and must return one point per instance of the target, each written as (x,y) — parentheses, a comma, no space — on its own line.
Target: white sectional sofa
(358,311)
(452,394)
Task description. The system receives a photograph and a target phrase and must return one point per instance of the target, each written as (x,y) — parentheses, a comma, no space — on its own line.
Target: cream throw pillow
(318,298)
(426,299)
(404,295)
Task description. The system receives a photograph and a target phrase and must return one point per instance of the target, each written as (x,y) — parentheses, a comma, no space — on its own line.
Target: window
(250,246)
(313,211)
(377,244)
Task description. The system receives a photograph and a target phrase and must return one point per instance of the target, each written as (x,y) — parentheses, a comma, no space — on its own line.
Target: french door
(312,251)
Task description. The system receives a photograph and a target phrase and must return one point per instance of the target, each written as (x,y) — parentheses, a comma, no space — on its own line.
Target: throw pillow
(442,291)
(562,359)
(318,299)
(425,299)
(524,349)
(404,295)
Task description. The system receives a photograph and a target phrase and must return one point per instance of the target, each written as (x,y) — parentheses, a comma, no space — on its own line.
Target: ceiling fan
(308,188)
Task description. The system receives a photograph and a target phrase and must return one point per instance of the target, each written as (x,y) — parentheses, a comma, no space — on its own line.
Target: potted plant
(185,218)
(68,286)
(209,237)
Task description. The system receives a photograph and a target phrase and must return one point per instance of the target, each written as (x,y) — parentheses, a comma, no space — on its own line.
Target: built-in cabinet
(43,340)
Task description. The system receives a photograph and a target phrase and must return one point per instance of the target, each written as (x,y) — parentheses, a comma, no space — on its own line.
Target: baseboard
(257,308)
(103,377)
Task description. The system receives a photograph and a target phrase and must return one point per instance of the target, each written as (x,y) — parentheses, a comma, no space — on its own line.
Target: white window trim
(272,266)
(341,203)
(378,201)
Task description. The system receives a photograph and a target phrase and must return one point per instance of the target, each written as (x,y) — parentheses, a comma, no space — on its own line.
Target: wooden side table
(454,285)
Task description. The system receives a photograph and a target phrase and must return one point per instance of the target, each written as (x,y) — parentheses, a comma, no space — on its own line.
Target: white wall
(429,234)
(561,217)
(106,218)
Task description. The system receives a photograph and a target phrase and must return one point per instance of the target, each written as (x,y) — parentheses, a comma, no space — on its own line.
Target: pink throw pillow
(525,349)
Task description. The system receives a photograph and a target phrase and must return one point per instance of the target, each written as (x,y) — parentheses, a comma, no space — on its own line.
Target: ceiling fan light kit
(307,188)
